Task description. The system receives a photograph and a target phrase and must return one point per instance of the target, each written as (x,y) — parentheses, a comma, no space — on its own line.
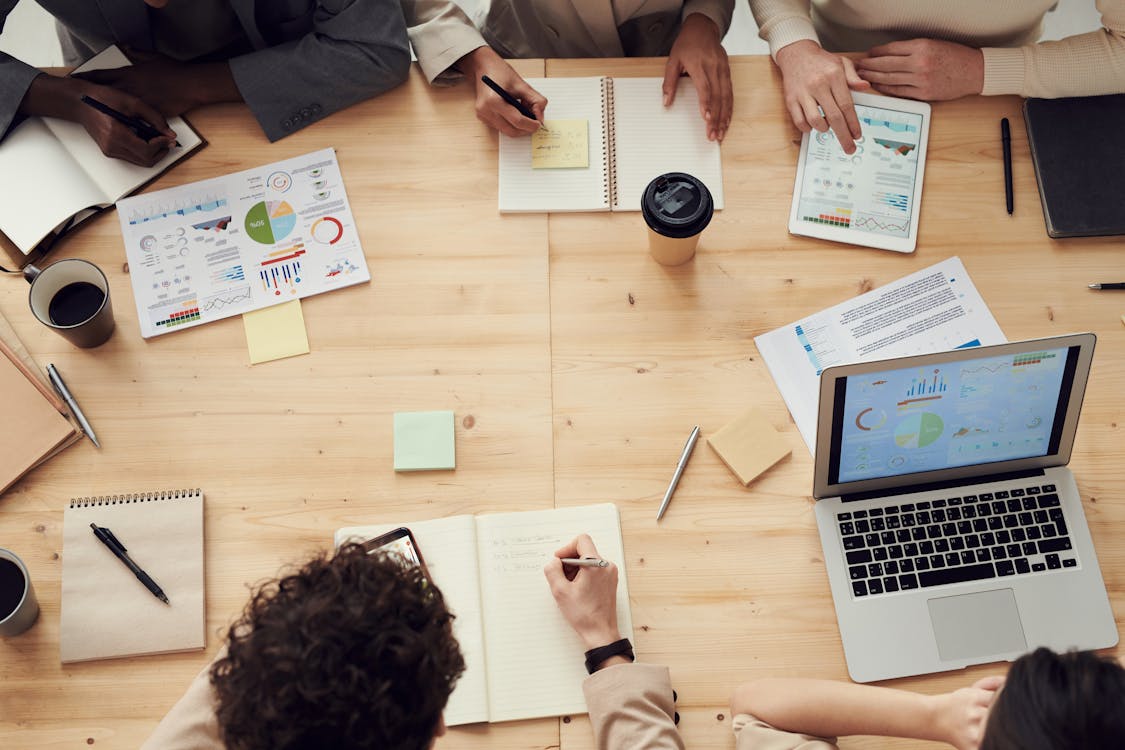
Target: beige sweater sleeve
(782,22)
(1084,65)
(441,34)
(191,724)
(631,708)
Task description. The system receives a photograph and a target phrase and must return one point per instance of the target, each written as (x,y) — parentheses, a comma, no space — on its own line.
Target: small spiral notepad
(106,611)
(633,138)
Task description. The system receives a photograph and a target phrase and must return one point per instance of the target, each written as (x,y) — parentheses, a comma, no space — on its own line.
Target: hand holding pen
(123,126)
(586,591)
(523,117)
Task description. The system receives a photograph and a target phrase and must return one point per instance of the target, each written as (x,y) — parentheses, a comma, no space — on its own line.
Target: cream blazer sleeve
(631,707)
(441,34)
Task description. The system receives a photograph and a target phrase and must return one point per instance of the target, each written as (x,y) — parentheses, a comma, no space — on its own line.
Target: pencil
(27,373)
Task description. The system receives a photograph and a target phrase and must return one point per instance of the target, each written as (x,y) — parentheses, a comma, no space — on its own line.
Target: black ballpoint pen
(523,110)
(106,537)
(140,128)
(1114,285)
(1006,142)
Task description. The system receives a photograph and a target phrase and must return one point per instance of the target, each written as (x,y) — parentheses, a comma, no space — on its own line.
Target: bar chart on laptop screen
(957,414)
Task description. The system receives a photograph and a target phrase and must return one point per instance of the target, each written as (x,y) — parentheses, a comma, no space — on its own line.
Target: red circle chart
(327,230)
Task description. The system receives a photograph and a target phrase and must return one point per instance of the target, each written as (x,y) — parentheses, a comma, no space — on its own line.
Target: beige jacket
(630,707)
(441,33)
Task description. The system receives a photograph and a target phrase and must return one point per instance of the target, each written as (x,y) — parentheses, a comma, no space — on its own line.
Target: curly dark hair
(352,651)
(1071,701)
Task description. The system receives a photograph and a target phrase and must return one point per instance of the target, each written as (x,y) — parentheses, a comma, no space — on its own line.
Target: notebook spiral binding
(135,497)
(609,143)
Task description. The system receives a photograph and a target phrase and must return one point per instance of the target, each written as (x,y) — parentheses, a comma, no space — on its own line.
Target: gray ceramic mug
(72,297)
(18,606)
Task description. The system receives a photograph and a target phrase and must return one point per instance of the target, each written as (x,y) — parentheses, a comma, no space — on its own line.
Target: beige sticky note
(749,445)
(276,332)
(561,144)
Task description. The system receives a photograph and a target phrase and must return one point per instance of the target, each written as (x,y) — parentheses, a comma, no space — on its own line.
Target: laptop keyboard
(954,540)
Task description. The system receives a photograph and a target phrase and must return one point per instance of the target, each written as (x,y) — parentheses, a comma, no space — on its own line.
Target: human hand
(169,86)
(587,597)
(963,714)
(927,69)
(116,140)
(491,109)
(818,87)
(698,51)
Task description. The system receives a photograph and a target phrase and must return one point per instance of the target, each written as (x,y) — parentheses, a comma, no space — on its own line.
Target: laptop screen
(940,416)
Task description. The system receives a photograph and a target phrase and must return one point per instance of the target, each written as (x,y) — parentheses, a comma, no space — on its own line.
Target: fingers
(855,83)
(842,116)
(991,683)
(152,116)
(726,101)
(570,549)
(902,92)
(813,115)
(586,546)
(672,72)
(903,48)
(797,114)
(556,577)
(119,142)
(498,114)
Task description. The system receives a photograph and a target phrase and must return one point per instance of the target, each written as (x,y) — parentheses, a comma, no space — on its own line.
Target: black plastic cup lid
(677,205)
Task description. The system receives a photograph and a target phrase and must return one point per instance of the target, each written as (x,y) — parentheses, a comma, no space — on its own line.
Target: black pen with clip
(106,537)
(520,107)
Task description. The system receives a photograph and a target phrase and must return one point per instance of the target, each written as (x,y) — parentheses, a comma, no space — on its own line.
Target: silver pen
(585,562)
(688,448)
(60,386)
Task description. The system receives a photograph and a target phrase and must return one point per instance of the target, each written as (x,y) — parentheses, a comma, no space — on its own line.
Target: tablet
(871,197)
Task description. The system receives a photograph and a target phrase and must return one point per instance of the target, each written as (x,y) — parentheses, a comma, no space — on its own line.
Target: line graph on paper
(217,302)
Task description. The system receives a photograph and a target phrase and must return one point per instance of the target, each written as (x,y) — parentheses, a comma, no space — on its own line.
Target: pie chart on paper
(270,221)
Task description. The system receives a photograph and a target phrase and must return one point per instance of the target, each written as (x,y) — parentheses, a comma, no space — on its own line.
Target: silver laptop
(952,530)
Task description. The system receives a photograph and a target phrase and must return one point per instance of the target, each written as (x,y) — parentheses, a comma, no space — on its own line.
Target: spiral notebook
(106,611)
(632,138)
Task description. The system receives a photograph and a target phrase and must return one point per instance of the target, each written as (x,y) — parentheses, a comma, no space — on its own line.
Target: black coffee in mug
(75,303)
(12,587)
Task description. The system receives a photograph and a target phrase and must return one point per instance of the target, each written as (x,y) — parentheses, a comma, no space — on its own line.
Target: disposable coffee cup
(677,208)
(18,605)
(71,296)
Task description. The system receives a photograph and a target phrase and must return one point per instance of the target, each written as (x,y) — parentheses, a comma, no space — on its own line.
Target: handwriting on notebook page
(561,144)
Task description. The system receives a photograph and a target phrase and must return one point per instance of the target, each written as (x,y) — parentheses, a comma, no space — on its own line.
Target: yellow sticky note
(276,332)
(749,445)
(561,144)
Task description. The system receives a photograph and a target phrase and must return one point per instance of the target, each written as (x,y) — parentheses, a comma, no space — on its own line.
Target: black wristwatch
(595,656)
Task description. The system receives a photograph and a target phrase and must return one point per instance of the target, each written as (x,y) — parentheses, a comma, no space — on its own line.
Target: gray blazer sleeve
(15,77)
(356,49)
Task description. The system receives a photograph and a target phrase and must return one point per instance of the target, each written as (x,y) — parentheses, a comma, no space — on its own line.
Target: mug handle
(30,272)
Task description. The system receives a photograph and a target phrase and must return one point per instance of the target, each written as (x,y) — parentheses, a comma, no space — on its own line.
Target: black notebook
(1079,163)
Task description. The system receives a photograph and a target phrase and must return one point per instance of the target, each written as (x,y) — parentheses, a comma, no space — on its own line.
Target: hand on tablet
(926,69)
(818,87)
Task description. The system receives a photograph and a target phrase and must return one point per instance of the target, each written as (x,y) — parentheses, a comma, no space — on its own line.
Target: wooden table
(576,367)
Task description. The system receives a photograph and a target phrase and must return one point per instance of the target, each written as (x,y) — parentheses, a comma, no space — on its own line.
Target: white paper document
(225,246)
(935,309)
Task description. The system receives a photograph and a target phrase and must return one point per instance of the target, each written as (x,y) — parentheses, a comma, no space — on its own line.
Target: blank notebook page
(535,660)
(582,189)
(653,139)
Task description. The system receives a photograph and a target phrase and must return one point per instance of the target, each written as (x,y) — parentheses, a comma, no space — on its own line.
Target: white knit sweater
(1005,30)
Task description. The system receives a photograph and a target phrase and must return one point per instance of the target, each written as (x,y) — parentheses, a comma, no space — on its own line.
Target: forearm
(827,708)
(52,96)
(212,83)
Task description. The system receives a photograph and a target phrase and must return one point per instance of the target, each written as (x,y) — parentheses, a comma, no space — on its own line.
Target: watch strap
(595,656)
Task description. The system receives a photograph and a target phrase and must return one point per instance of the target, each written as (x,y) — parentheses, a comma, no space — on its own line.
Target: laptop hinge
(912,488)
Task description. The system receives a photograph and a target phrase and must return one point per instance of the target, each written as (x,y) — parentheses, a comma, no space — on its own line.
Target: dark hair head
(1072,701)
(352,651)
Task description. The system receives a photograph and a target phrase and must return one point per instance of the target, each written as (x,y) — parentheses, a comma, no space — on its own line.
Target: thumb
(553,571)
(854,81)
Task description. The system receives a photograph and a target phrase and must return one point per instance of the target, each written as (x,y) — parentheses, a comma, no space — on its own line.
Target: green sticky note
(424,441)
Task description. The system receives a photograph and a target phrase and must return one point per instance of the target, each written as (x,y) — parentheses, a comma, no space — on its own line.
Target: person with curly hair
(356,651)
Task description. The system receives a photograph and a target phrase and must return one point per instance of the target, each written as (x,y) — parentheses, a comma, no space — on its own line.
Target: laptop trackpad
(970,626)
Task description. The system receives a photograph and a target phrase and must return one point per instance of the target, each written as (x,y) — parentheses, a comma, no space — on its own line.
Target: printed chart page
(933,310)
(870,191)
(524,187)
(225,246)
(449,548)
(535,660)
(651,139)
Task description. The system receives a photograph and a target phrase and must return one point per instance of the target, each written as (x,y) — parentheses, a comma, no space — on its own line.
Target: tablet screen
(872,190)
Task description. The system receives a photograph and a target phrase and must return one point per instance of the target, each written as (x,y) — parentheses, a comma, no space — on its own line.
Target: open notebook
(522,660)
(632,138)
(106,611)
(54,171)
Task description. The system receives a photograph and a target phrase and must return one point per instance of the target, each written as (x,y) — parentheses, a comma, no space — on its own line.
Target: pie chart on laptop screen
(270,221)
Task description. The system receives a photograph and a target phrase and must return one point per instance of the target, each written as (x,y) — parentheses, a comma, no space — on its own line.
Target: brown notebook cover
(34,426)
(106,611)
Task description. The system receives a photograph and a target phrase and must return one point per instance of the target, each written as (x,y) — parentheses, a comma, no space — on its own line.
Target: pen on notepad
(1114,285)
(60,386)
(140,128)
(688,448)
(106,537)
(585,562)
(520,107)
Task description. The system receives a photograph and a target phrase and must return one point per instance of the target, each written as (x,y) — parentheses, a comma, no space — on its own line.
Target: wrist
(795,50)
(599,637)
(936,712)
(474,62)
(52,96)
(702,22)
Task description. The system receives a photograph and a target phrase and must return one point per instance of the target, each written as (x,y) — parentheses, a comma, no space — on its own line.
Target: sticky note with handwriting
(562,144)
